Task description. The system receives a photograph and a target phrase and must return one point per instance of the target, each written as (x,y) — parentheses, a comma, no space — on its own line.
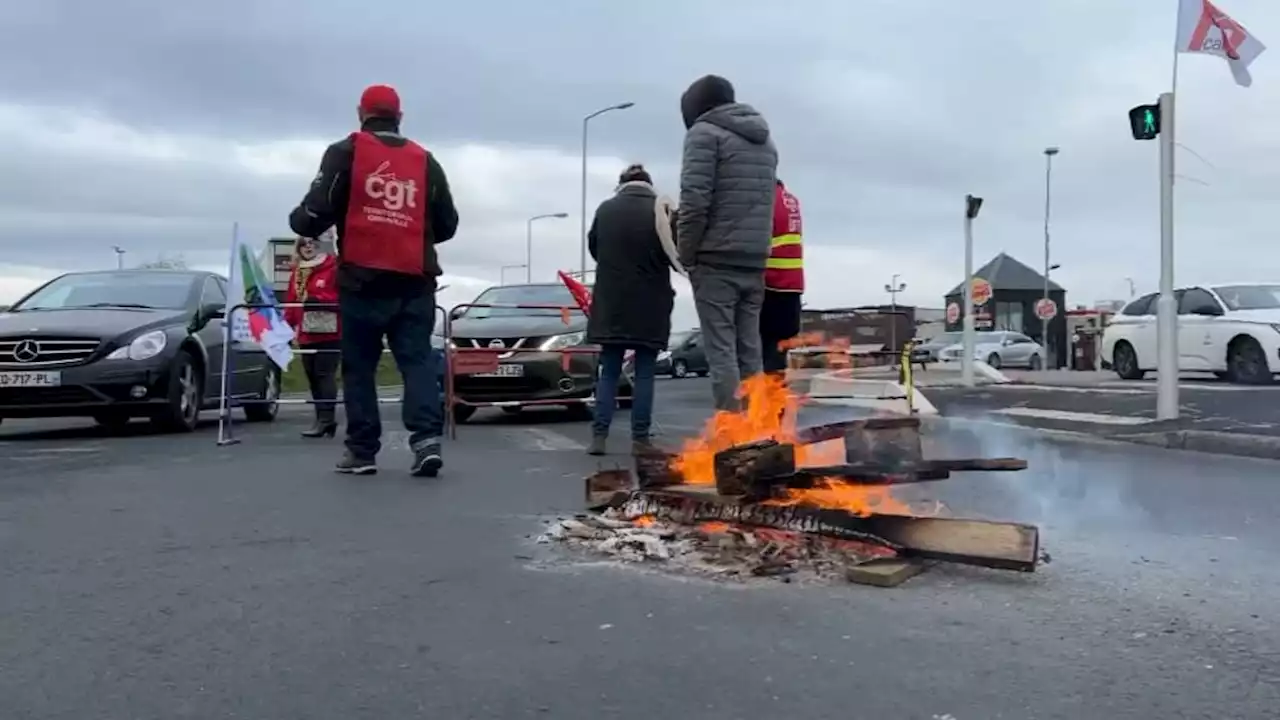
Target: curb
(1216,442)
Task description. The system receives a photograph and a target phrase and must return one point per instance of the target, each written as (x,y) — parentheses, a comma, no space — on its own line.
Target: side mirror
(456,313)
(213,311)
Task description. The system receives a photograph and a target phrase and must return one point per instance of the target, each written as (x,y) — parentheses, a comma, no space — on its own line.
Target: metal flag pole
(971,206)
(224,404)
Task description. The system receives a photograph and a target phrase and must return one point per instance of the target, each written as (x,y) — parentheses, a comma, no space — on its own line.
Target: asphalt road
(1204,405)
(164,577)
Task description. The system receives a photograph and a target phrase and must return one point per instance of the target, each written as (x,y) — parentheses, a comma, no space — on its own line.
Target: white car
(1232,330)
(1000,349)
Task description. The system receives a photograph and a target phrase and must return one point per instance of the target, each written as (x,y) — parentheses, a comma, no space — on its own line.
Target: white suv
(1232,330)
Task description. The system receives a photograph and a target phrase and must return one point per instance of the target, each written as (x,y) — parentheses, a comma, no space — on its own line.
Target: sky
(154,126)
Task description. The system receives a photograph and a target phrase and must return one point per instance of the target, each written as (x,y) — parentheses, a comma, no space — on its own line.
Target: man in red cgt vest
(389,199)
(783,280)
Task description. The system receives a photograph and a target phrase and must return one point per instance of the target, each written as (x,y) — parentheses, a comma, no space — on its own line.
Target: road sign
(953,313)
(1046,309)
(981,291)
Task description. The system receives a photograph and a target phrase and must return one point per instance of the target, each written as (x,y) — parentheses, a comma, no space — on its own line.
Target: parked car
(1000,349)
(538,374)
(121,344)
(1231,330)
(927,351)
(685,355)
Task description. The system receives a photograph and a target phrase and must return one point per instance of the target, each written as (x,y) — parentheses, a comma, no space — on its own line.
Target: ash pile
(814,503)
(714,548)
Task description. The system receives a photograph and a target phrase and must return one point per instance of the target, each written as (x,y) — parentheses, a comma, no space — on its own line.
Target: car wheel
(111,420)
(1035,363)
(463,413)
(266,406)
(1247,363)
(186,393)
(1125,362)
(994,360)
(680,369)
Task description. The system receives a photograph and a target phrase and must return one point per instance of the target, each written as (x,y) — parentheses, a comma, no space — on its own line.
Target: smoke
(1071,483)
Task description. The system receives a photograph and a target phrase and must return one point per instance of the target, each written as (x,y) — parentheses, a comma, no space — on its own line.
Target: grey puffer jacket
(727,177)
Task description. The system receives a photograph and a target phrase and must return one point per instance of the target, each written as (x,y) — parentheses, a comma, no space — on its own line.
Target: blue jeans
(406,322)
(607,390)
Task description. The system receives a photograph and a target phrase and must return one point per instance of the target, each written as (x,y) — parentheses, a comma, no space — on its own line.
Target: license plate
(30,379)
(505,371)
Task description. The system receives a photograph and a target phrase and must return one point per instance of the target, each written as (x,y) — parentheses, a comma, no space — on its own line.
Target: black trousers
(322,375)
(779,321)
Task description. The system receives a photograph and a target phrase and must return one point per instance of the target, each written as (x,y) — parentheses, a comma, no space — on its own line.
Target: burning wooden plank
(986,543)
(748,469)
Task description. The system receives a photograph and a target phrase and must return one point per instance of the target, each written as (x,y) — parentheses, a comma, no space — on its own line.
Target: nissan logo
(496,344)
(26,351)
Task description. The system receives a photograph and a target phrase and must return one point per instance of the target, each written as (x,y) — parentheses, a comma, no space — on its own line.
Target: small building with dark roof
(1015,290)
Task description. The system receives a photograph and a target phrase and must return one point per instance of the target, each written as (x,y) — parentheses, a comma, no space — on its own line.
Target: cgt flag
(265,325)
(1203,28)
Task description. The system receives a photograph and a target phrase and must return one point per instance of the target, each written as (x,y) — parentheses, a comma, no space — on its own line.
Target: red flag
(581,293)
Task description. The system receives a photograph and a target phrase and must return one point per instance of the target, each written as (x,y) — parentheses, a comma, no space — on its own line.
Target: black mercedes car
(530,368)
(121,344)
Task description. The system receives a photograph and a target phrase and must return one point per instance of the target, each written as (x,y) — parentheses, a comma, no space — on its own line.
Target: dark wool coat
(632,298)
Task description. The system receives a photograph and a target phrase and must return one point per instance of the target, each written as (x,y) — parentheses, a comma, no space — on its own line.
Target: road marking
(1068,416)
(545,440)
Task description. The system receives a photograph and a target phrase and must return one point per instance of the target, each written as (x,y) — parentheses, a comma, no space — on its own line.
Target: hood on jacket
(740,119)
(706,93)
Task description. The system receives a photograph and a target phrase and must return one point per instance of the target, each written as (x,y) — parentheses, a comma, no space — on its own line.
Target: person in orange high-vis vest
(783,280)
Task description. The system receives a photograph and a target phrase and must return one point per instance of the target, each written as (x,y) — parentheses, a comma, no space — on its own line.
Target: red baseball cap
(380,99)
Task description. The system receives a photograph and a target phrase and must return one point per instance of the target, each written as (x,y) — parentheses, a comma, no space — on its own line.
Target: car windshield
(140,289)
(557,295)
(1250,297)
(678,338)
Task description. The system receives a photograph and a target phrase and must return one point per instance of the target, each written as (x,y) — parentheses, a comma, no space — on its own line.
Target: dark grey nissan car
(528,340)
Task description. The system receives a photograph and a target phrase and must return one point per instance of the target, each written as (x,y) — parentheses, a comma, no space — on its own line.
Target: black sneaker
(352,465)
(426,459)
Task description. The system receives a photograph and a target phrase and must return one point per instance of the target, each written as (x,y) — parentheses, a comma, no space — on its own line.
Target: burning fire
(770,413)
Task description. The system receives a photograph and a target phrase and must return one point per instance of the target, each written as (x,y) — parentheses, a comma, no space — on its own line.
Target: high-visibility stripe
(792,239)
(777,263)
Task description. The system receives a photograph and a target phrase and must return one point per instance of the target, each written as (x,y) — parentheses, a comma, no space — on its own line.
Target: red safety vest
(784,272)
(386,213)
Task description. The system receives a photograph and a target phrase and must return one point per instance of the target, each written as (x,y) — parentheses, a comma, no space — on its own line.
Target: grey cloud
(886,113)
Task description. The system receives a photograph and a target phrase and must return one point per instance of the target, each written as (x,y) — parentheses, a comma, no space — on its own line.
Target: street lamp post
(119,251)
(893,288)
(1049,152)
(585,120)
(528,241)
(502,272)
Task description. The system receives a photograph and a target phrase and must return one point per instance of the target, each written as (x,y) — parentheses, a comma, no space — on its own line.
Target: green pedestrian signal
(1144,122)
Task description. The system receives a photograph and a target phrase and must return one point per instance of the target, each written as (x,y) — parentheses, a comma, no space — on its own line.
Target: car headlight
(664,355)
(560,342)
(143,347)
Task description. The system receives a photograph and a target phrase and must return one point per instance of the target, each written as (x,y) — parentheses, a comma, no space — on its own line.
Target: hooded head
(706,93)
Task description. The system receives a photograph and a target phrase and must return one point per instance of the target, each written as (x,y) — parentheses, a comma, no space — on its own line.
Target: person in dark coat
(631,242)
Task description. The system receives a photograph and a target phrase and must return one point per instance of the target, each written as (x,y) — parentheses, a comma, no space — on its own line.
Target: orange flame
(644,521)
(770,413)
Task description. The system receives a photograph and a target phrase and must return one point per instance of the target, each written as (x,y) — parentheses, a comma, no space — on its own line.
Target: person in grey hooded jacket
(724,227)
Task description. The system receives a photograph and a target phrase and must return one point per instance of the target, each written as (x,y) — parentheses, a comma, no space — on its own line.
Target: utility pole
(893,288)
(971,207)
(119,256)
(528,240)
(583,209)
(1049,152)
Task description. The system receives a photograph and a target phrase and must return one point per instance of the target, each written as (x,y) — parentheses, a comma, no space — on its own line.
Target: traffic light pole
(1166,306)
(968,340)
